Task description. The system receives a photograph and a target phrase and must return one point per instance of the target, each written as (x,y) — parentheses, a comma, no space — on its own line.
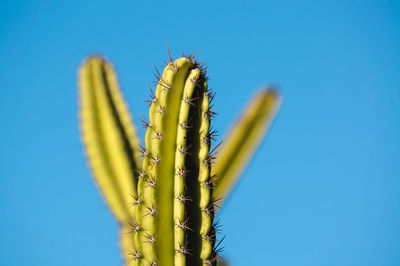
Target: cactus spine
(165,200)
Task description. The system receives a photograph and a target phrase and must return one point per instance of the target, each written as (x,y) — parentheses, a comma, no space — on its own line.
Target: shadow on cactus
(165,193)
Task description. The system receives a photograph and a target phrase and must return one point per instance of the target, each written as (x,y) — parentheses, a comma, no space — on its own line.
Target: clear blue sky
(323,189)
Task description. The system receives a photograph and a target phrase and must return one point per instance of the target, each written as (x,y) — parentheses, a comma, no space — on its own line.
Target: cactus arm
(243,139)
(109,136)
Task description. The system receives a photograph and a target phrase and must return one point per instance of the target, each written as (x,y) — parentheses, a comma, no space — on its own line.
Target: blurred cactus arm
(108,135)
(243,139)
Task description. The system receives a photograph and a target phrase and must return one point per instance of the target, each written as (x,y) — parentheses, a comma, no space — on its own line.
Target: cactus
(164,193)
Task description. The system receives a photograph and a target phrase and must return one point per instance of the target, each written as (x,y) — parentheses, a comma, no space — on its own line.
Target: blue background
(323,189)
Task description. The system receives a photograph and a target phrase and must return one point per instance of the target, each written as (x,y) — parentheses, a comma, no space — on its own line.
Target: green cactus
(164,193)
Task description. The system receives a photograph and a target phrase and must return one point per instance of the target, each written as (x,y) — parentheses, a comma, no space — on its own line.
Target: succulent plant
(164,193)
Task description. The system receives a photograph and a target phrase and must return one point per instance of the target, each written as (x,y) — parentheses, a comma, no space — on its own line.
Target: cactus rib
(180,171)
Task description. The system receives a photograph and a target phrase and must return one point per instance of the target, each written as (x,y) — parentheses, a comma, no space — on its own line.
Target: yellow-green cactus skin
(164,193)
